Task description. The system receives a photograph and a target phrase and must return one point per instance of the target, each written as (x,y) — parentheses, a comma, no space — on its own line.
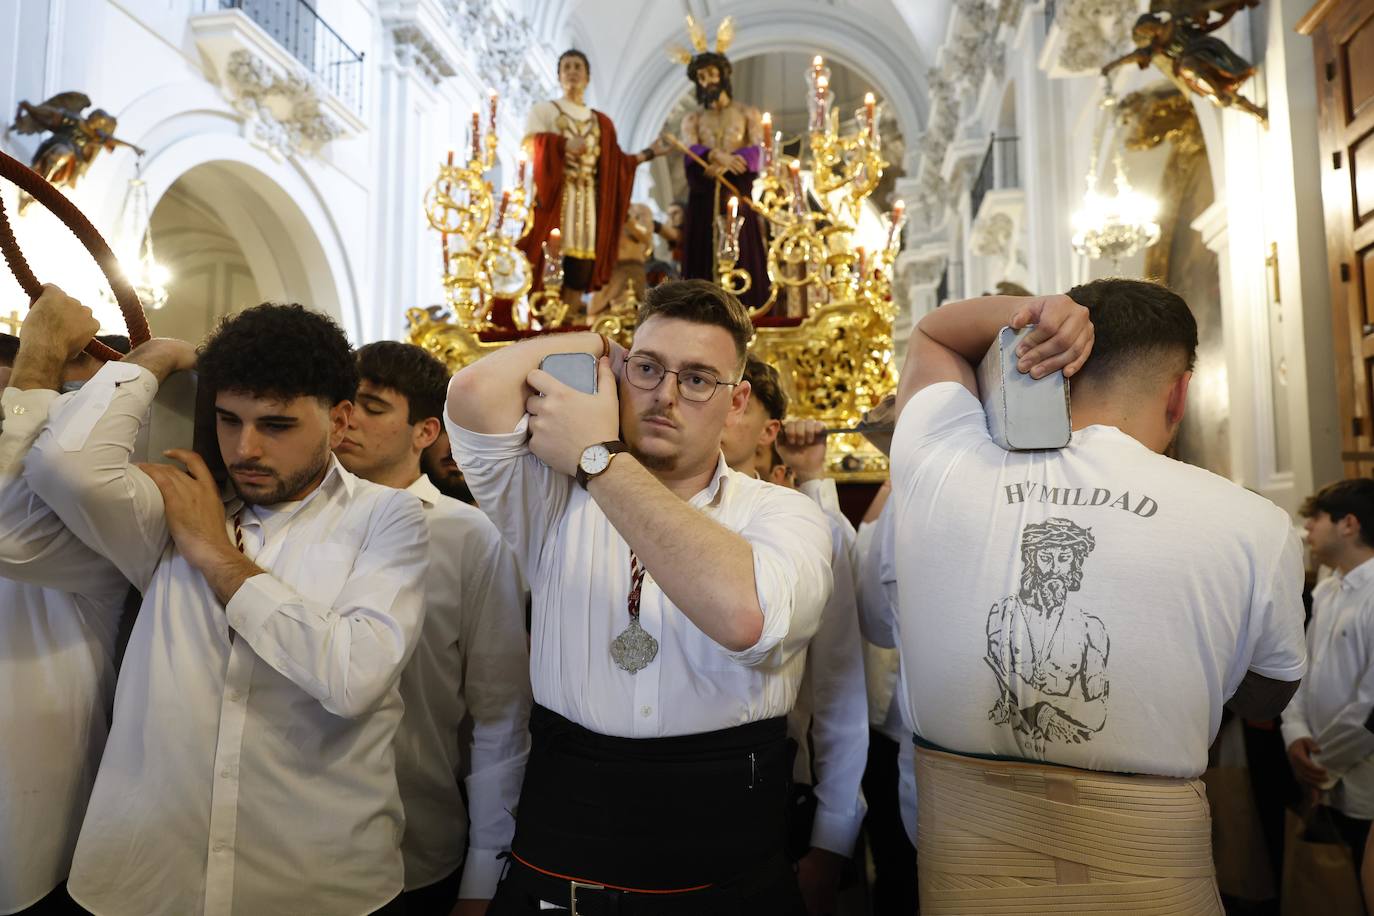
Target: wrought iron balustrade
(1000,170)
(296,26)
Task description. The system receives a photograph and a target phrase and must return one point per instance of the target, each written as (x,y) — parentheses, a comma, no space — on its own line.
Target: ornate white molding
(282,111)
(991,235)
(1092,32)
(286,110)
(510,57)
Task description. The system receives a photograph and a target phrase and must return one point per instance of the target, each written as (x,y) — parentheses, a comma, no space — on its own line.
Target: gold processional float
(827,325)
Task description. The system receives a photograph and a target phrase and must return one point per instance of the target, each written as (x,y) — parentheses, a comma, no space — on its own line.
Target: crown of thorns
(725,34)
(1057,532)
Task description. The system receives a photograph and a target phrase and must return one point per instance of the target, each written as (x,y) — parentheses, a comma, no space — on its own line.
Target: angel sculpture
(1174,35)
(76,138)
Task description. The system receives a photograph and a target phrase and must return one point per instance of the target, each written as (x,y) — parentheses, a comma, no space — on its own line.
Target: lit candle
(491,117)
(863,262)
(476,135)
(501,210)
(768,131)
(555,236)
(733,208)
(894,224)
(870,109)
(794,170)
(520,170)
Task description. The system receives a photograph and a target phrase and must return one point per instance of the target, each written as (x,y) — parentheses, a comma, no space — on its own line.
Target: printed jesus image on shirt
(1049,655)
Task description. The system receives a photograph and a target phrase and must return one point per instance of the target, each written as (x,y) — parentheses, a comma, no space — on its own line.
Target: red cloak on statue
(615,175)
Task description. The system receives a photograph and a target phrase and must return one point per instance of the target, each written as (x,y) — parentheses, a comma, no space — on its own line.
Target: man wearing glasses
(673,602)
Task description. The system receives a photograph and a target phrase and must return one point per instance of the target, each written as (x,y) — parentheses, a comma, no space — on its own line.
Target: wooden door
(1343,48)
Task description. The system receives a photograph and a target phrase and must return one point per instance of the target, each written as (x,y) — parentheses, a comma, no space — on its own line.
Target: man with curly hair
(250,765)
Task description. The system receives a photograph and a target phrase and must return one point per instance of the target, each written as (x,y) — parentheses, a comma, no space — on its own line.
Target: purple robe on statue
(698,260)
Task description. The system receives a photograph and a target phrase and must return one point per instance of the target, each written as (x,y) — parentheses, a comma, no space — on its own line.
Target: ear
(740,398)
(770,433)
(339,416)
(424,433)
(1178,399)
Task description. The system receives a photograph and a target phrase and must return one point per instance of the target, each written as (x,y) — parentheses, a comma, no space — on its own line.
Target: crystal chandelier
(1113,226)
(135,240)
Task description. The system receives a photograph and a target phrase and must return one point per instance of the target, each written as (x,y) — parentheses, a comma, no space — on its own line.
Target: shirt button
(646,711)
(220,847)
(226,773)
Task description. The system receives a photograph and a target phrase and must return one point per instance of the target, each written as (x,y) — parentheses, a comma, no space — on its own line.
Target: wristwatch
(596,459)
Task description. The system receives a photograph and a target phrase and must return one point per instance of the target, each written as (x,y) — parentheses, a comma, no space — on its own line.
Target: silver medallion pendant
(634,648)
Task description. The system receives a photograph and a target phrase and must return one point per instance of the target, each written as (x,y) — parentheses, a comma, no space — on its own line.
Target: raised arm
(489,395)
(947,343)
(346,653)
(729,605)
(35,547)
(80,465)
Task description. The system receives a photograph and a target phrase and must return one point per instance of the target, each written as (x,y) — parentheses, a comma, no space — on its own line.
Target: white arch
(896,69)
(276,211)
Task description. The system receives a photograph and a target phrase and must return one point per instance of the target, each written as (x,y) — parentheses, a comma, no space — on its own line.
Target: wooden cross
(12,321)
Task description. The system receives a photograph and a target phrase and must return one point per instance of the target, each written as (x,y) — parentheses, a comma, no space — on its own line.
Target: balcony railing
(999,171)
(296,26)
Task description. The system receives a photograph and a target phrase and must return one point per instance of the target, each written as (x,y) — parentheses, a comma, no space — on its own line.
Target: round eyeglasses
(693,384)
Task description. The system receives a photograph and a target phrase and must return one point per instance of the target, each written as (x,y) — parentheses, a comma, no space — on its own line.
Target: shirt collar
(1360,576)
(335,477)
(714,491)
(425,489)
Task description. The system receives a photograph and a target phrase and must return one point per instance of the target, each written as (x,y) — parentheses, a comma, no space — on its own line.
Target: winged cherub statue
(1175,36)
(76,139)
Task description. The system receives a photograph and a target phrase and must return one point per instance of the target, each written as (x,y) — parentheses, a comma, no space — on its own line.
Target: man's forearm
(227,571)
(969,327)
(38,366)
(676,542)
(489,395)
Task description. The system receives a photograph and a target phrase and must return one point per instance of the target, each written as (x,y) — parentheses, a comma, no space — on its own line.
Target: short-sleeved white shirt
(1091,606)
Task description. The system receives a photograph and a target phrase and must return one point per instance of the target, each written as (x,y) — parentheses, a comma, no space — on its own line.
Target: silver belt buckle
(574,887)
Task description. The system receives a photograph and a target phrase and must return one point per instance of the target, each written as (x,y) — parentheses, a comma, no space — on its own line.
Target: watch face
(595,458)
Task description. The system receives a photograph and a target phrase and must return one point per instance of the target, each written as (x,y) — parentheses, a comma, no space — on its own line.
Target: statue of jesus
(728,136)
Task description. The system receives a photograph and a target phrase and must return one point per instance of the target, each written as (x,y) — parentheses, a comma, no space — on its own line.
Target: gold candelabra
(827,324)
(478,229)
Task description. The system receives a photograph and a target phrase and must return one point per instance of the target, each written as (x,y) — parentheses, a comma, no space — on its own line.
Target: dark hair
(283,351)
(573,52)
(1345,497)
(1137,325)
(702,302)
(116,342)
(766,384)
(408,370)
(9,346)
(711,59)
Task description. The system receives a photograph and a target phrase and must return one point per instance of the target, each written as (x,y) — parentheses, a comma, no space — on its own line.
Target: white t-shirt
(1091,606)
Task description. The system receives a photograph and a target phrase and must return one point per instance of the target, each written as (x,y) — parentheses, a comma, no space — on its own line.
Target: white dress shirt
(60,604)
(877,591)
(249,769)
(578,569)
(467,703)
(1334,704)
(832,707)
